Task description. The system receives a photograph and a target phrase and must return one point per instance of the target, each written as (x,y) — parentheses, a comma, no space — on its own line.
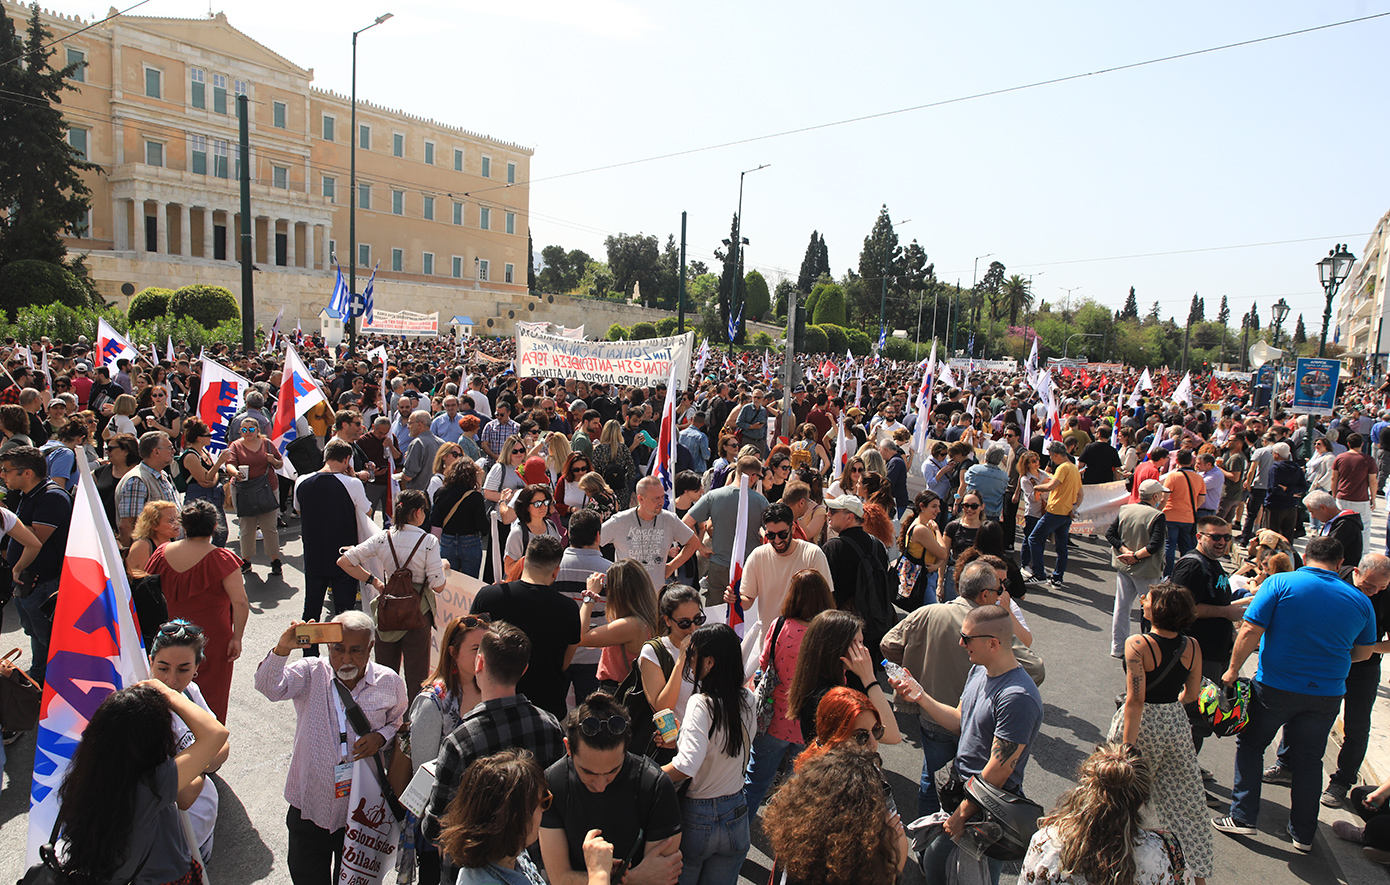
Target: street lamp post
(1280,312)
(975,295)
(1332,271)
(1067,346)
(352,194)
(1070,290)
(736,253)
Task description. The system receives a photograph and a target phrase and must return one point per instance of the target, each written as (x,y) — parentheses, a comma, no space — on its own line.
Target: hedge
(617,332)
(815,340)
(209,305)
(835,338)
(149,303)
(642,331)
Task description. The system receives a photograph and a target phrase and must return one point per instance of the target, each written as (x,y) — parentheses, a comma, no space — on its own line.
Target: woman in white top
(121,418)
(712,752)
(372,561)
(680,613)
(1319,470)
(505,473)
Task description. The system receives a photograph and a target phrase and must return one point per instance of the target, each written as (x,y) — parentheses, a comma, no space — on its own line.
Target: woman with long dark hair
(924,550)
(832,654)
(119,804)
(716,733)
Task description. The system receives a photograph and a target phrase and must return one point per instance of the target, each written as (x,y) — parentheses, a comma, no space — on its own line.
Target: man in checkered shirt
(498,431)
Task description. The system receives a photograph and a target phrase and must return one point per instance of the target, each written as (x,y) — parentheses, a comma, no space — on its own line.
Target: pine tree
(1300,334)
(732,259)
(1153,312)
(822,262)
(1224,315)
(810,265)
(880,256)
(1131,311)
(530,262)
(40,184)
(1194,313)
(1254,318)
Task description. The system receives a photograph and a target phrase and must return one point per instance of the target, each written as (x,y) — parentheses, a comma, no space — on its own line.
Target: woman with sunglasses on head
(961,534)
(205,482)
(176,653)
(532,506)
(556,453)
(451,691)
(665,682)
(569,495)
(833,654)
(202,584)
(716,733)
(254,452)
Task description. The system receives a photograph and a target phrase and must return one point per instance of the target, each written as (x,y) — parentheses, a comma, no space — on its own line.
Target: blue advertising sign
(1315,386)
(1265,376)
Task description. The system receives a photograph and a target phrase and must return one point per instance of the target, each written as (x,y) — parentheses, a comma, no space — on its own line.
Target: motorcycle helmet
(1006,824)
(1226,708)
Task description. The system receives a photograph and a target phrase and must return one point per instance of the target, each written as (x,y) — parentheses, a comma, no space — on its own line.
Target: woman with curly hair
(1093,835)
(854,840)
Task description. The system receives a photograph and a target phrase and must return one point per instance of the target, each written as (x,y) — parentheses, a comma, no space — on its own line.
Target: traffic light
(798,324)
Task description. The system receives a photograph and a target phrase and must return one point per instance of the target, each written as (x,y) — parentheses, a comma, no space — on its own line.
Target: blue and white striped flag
(733,323)
(338,301)
(367,295)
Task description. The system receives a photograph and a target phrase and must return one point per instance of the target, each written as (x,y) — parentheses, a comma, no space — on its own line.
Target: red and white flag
(298,394)
(736,566)
(220,394)
(112,345)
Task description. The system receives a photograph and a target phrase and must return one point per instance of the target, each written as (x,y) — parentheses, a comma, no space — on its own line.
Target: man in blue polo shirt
(1310,626)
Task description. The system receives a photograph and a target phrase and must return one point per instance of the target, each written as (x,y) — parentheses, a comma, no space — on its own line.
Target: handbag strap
(455,508)
(770,653)
(1173,661)
(350,706)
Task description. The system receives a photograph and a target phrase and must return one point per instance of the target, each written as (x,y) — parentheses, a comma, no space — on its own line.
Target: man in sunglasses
(503,719)
(600,786)
(768,571)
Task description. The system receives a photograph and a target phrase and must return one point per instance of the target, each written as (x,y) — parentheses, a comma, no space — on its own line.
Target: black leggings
(1377,821)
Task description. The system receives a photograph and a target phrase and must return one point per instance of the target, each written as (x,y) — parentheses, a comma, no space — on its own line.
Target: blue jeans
(1306,719)
(38,624)
(946,587)
(938,750)
(1050,525)
(714,839)
(1182,537)
(1025,553)
(933,861)
(464,552)
(763,764)
(1362,682)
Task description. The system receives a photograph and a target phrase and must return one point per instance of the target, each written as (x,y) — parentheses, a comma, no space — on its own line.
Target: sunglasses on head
(548,798)
(179,629)
(614,725)
(687,623)
(473,622)
(861,735)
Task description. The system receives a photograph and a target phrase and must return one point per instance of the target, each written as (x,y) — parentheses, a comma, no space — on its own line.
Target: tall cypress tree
(40,182)
(810,265)
(1224,315)
(1131,311)
(732,258)
(530,262)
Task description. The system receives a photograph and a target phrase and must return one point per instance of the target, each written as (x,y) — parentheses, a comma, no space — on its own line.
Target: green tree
(695,269)
(666,327)
(859,343)
(616,332)
(1223,316)
(881,257)
(1254,315)
(1300,334)
(530,262)
(208,305)
(731,257)
(756,296)
(780,295)
(815,340)
(597,281)
(30,281)
(642,331)
(41,186)
(988,291)
(149,303)
(810,303)
(836,341)
(830,305)
(562,270)
(1018,295)
(810,265)
(762,339)
(1153,312)
(635,260)
(1131,311)
(702,288)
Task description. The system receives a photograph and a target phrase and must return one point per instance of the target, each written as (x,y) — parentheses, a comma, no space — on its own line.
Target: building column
(120,224)
(207,234)
(160,247)
(290,230)
(185,231)
(323,239)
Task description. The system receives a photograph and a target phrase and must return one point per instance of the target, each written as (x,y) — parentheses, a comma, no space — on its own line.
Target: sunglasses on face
(861,735)
(970,506)
(687,623)
(966,637)
(856,470)
(779,536)
(614,725)
(250,429)
(1217,539)
(540,503)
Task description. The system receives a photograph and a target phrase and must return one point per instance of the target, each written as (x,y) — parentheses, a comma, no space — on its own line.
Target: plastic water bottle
(900,674)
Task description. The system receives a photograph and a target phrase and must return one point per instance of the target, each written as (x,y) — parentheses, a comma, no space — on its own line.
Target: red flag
(1085,378)
(1165,384)
(1066,372)
(1212,393)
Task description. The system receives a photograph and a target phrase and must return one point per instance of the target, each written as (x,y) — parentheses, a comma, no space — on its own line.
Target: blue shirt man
(446,424)
(694,439)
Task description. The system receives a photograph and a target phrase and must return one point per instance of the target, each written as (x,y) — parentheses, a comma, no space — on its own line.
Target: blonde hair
(557,451)
(1097,822)
(612,436)
(144,523)
(445,449)
(593,483)
(125,405)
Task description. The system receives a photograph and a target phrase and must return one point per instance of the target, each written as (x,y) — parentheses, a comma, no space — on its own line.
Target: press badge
(342,780)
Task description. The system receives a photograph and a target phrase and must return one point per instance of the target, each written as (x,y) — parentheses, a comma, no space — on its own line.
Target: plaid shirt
(10,395)
(132,496)
(489,727)
(495,433)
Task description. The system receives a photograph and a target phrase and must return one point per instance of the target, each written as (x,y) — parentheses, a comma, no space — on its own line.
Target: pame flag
(112,345)
(219,397)
(95,649)
(298,394)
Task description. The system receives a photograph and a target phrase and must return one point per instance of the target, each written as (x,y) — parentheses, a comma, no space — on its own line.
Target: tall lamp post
(1280,312)
(1332,271)
(352,194)
(735,248)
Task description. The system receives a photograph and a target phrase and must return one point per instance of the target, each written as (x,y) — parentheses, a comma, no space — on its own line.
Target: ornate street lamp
(1332,272)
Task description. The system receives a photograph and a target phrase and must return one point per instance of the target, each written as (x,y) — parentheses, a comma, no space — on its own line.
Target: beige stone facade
(156,109)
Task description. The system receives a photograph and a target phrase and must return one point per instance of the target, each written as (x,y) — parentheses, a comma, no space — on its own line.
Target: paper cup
(245,472)
(666,724)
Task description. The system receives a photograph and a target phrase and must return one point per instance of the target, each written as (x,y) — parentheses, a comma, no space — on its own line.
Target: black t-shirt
(641,798)
(170,416)
(45,505)
(1209,585)
(551,622)
(1099,460)
(962,537)
(807,714)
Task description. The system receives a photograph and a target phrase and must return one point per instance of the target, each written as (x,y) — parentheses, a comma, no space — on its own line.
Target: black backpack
(614,475)
(639,709)
(872,599)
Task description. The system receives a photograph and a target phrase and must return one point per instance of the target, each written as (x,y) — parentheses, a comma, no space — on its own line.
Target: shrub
(830,305)
(616,332)
(899,349)
(755,296)
(665,328)
(642,331)
(762,339)
(186,331)
(59,322)
(149,303)
(859,343)
(209,305)
(835,337)
(30,281)
(815,340)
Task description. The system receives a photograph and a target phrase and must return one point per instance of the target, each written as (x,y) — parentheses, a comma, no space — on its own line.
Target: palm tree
(1018,295)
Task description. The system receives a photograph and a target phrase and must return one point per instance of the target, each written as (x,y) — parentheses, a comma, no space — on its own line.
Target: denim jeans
(1362,682)
(584,678)
(714,839)
(1182,537)
(1025,553)
(938,750)
(1306,719)
(763,764)
(464,552)
(38,624)
(1051,525)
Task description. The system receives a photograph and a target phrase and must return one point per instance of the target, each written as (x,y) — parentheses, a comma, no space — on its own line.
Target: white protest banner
(984,365)
(454,601)
(629,363)
(404,322)
(373,834)
(553,329)
(1100,505)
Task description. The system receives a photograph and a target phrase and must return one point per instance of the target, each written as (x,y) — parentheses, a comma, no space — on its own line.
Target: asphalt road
(1071,629)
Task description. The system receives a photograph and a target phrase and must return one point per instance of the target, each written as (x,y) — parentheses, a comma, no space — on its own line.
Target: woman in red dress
(202,583)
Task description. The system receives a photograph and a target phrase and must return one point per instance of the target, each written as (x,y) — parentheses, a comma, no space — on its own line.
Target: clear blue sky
(1282,140)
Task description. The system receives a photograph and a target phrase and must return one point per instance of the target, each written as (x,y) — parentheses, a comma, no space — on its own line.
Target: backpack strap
(663,657)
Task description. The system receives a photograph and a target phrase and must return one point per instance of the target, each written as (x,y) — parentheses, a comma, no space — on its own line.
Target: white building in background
(1362,318)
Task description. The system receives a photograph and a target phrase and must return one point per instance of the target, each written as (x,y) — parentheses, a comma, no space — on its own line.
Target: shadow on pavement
(237,843)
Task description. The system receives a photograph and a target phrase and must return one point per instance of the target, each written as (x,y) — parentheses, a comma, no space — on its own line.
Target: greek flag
(367,295)
(733,323)
(882,337)
(338,301)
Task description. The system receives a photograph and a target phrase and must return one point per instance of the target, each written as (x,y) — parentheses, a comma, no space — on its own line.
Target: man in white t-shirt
(768,570)
(646,532)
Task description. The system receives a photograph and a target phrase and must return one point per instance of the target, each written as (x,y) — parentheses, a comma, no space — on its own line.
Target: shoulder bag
(358,720)
(766,681)
(20,697)
(255,496)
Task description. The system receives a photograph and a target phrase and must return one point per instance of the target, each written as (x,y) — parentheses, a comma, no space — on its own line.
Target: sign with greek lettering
(372,836)
(407,323)
(1315,386)
(635,363)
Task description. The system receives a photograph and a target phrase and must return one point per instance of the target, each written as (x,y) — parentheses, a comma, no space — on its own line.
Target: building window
(458,159)
(197,88)
(398,260)
(458,268)
(484,218)
(198,154)
(79,58)
(364,255)
(482,269)
(219,94)
(458,213)
(219,158)
(83,228)
(154,153)
(77,138)
(279,110)
(511,222)
(154,83)
(330,188)
(397,145)
(364,196)
(280,177)
(427,264)
(511,173)
(397,202)
(333,250)
(240,87)
(364,136)
(429,208)
(486,171)
(509,272)
(328,127)
(429,152)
